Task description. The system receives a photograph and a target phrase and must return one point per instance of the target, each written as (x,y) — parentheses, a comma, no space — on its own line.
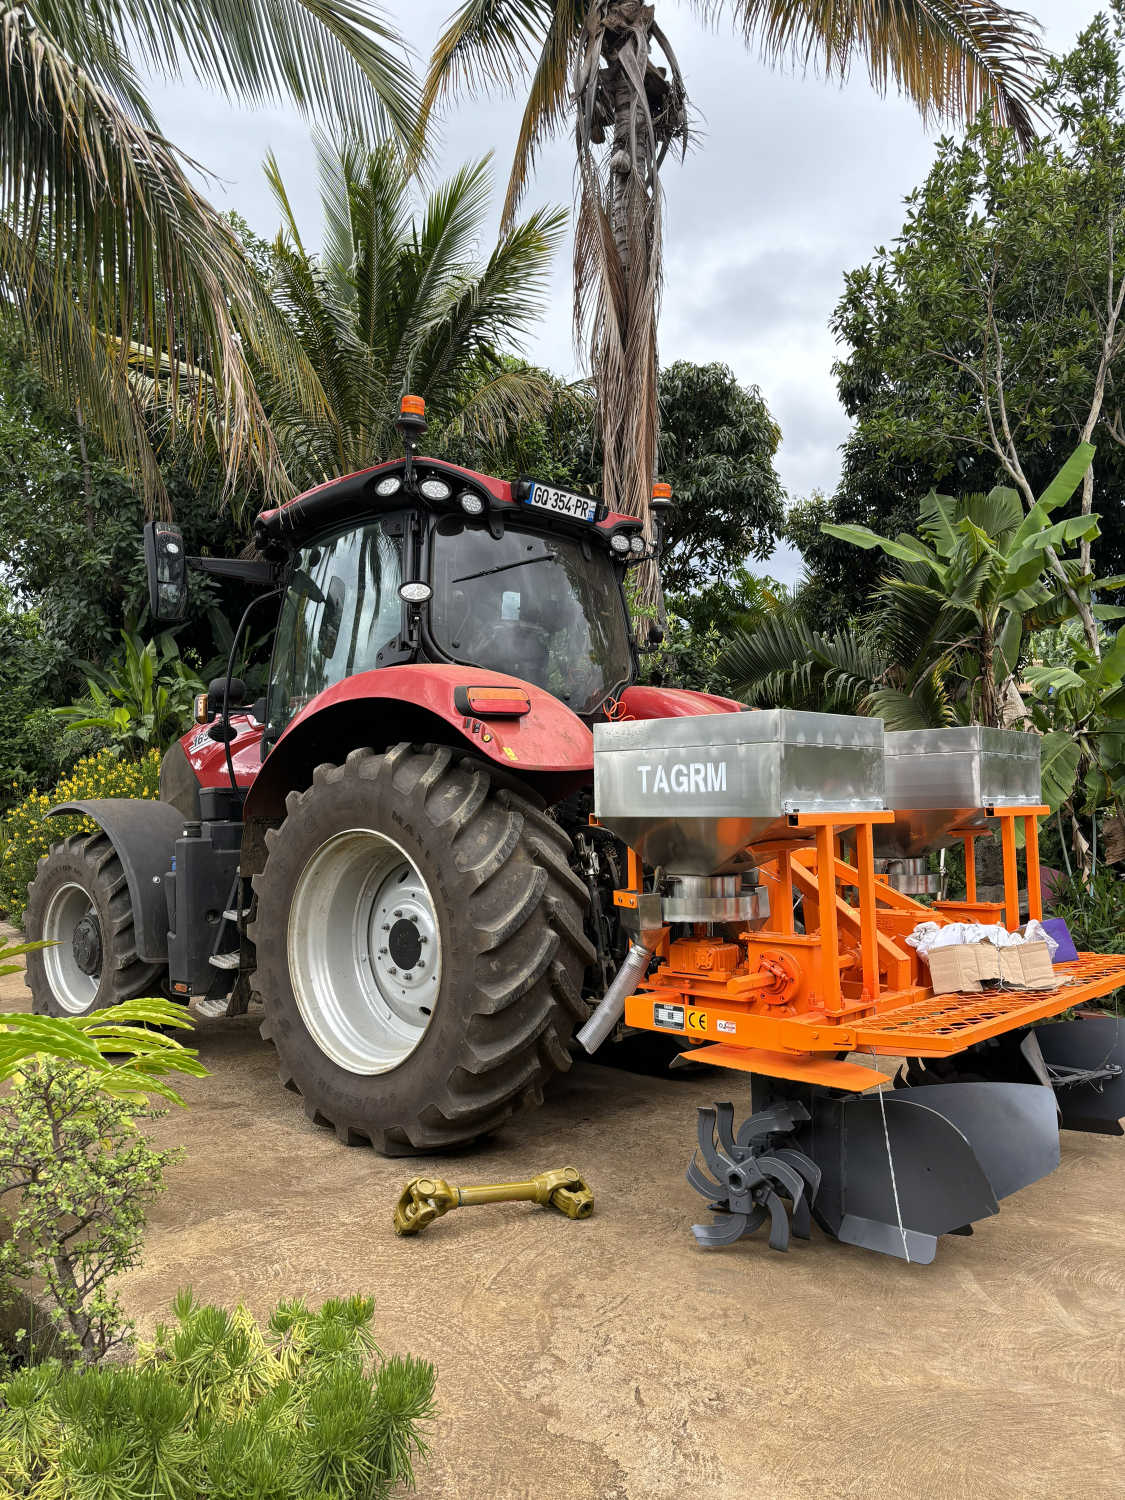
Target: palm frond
(487,44)
(949,57)
(338,62)
(107,240)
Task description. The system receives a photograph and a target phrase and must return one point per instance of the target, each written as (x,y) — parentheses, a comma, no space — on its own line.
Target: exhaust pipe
(611,1007)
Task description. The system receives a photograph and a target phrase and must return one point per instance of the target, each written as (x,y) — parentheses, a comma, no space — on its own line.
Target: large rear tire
(420,945)
(79,900)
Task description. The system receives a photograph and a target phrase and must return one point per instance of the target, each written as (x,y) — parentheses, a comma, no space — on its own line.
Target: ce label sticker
(696,1020)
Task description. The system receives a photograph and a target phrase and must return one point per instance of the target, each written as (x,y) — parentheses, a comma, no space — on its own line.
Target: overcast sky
(791,184)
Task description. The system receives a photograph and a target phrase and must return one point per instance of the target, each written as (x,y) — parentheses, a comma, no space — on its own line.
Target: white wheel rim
(364,951)
(73,989)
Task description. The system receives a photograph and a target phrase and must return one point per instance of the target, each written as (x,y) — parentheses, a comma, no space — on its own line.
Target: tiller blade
(753,1175)
(1085,1062)
(902,1168)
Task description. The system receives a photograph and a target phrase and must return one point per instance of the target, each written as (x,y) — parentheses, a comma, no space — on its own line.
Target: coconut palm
(593,61)
(129,287)
(399,299)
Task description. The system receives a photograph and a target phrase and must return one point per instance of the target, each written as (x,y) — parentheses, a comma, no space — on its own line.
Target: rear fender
(550,749)
(143,834)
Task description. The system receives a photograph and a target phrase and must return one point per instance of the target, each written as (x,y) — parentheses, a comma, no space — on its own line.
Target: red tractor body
(391,851)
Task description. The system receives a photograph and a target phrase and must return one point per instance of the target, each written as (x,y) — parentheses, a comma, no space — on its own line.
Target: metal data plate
(691,794)
(939,780)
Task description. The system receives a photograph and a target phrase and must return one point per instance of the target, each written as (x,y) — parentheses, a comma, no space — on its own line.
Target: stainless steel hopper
(691,794)
(940,780)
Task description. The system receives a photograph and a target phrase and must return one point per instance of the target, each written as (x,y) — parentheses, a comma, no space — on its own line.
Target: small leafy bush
(1094,913)
(77,1176)
(217,1407)
(26,833)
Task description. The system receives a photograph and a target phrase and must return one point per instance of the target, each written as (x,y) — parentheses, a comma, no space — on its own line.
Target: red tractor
(391,851)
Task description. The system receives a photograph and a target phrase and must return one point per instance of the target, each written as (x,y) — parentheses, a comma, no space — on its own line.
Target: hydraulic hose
(611,1007)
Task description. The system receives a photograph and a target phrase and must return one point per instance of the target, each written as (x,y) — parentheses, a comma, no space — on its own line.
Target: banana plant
(975,579)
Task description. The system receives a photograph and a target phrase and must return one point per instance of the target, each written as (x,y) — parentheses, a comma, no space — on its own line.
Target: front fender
(143,834)
(550,745)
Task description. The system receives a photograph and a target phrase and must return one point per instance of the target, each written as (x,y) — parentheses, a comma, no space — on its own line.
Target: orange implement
(787,1004)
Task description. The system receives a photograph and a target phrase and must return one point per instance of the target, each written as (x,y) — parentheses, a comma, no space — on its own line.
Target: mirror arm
(261,574)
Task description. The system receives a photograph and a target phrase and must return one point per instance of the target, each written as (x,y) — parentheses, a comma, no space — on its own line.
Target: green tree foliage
(400,300)
(219,1409)
(987,340)
(717,449)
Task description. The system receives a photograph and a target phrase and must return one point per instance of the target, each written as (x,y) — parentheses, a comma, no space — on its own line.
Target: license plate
(561,502)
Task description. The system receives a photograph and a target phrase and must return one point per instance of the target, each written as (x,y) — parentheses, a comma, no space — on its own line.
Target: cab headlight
(390,484)
(619,542)
(637,545)
(471,504)
(435,489)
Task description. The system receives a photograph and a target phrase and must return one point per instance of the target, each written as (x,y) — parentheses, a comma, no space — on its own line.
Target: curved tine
(802,1220)
(778,1119)
(803,1164)
(779,1223)
(724,1128)
(699,1180)
(719,1163)
(722,1232)
(789,1181)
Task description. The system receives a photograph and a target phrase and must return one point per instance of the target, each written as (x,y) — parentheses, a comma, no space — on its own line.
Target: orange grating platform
(942,1024)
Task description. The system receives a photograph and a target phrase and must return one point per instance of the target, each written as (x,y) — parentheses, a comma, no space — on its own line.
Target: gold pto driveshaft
(424,1199)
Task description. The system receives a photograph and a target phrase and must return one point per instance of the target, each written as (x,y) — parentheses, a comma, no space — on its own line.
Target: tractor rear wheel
(420,946)
(79,902)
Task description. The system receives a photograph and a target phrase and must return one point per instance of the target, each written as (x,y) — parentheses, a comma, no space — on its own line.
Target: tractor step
(225,960)
(233,915)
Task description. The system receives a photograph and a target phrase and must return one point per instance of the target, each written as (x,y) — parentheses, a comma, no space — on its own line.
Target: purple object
(1058,929)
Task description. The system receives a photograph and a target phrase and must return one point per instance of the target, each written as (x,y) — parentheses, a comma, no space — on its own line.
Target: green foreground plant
(77,1176)
(218,1407)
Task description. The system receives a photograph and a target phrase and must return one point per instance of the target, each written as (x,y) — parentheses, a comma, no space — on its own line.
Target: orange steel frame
(789,1004)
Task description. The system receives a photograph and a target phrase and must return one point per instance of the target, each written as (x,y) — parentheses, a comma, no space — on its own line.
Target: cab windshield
(531,604)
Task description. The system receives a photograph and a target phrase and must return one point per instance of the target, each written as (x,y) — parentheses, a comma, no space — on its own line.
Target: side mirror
(166,566)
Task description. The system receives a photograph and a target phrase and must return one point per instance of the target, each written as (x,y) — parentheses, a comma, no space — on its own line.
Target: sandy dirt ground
(611,1359)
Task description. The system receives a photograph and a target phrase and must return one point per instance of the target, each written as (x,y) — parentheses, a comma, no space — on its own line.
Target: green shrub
(1095,917)
(216,1407)
(26,833)
(76,1178)
(141,700)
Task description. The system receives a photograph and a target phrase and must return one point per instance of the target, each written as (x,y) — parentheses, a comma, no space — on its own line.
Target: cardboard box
(964,969)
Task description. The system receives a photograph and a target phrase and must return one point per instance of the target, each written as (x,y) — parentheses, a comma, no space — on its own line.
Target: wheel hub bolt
(398,911)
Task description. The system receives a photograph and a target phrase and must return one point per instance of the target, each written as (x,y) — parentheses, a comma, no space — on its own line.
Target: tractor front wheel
(420,948)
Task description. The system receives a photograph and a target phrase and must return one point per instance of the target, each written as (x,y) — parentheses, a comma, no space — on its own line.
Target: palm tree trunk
(618,243)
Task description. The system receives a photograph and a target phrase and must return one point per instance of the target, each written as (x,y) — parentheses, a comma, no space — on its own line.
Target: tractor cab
(421,561)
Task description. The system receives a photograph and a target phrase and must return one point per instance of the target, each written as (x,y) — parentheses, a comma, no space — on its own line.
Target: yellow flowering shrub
(26,833)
